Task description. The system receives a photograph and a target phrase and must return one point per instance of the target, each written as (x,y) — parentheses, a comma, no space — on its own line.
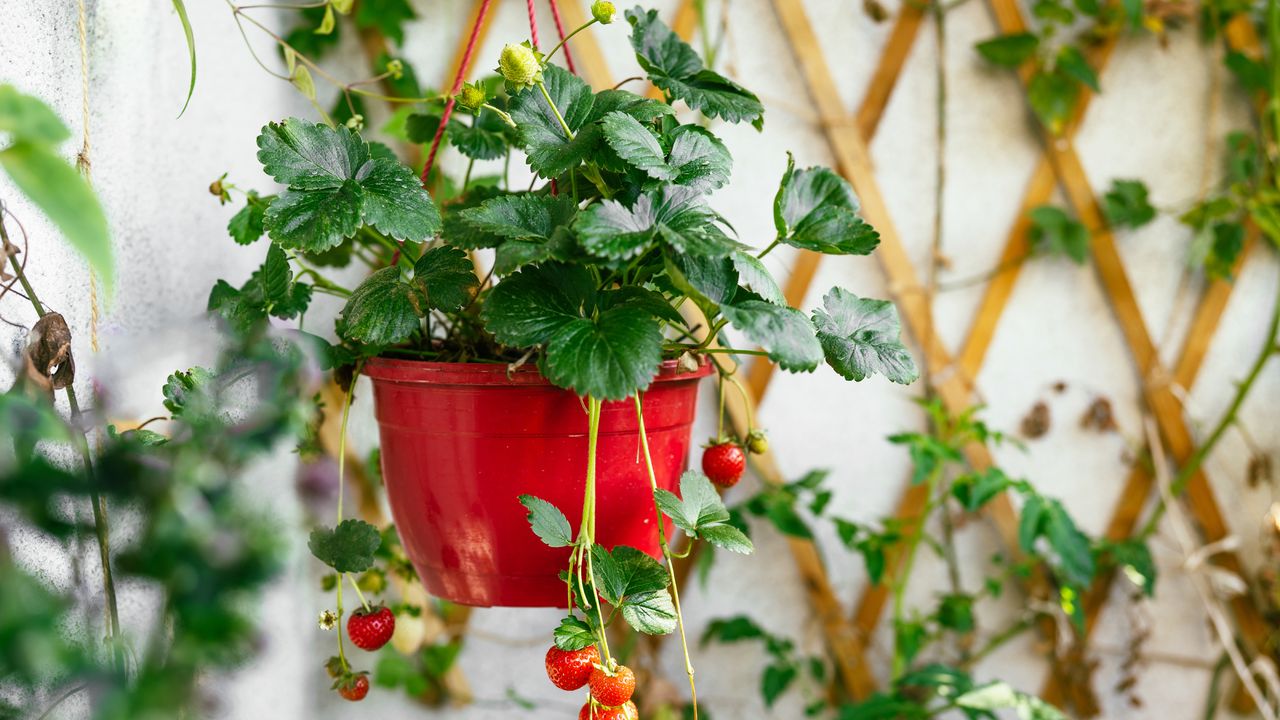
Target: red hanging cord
(568,58)
(457,87)
(533,24)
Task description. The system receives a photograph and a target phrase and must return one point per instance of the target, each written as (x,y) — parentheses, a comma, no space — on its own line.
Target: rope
(82,161)
(568,57)
(533,24)
(457,87)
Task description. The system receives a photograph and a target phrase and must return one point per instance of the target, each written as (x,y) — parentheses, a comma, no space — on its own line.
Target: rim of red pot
(458,373)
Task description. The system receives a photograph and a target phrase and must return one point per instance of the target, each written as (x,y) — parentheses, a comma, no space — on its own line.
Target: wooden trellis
(848,135)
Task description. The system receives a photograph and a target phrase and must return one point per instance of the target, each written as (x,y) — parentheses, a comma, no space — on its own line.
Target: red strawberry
(613,690)
(370,630)
(724,463)
(571,669)
(600,712)
(354,687)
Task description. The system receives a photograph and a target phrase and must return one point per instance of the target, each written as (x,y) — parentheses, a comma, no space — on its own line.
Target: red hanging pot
(461,442)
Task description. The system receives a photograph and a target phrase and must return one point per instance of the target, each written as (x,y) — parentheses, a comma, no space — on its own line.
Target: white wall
(152,170)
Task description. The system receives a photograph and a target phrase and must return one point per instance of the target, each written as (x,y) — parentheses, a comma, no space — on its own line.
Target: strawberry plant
(612,262)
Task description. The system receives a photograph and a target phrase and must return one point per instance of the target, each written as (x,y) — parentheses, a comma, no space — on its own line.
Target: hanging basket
(461,442)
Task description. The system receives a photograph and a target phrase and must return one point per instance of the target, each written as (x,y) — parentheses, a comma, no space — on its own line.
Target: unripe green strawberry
(519,66)
(603,11)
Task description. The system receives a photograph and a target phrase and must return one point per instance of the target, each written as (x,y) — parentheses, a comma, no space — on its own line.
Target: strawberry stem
(354,584)
(342,472)
(666,550)
(589,519)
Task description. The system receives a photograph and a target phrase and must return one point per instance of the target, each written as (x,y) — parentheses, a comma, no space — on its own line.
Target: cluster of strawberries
(369,630)
(611,688)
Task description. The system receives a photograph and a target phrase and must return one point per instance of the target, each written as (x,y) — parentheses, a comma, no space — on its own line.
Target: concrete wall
(151,171)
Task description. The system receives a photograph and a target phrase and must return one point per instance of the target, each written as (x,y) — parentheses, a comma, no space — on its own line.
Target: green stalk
(563,125)
(904,572)
(342,472)
(666,550)
(101,524)
(1228,419)
(589,519)
(547,57)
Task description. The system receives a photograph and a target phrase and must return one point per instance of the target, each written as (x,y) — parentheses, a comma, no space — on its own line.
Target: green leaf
(529,307)
(276,276)
(975,491)
(784,333)
(395,203)
(551,152)
(675,67)
(816,209)
(1134,558)
(1126,204)
(756,277)
(335,183)
(728,537)
(1073,63)
(700,512)
(1133,10)
(447,276)
(521,217)
(27,119)
(246,226)
(484,139)
(698,159)
(1054,232)
(608,357)
(676,215)
(1030,522)
(711,281)
(781,512)
(624,572)
(699,504)
(1252,75)
(636,145)
(349,547)
(28,421)
(384,309)
(549,524)
(651,302)
(574,634)
(181,9)
(1053,12)
(1069,544)
(999,695)
(652,613)
(64,196)
(1009,50)
(386,16)
(861,336)
(310,156)
(1053,98)
(315,220)
(955,612)
(775,681)
(734,629)
(1226,242)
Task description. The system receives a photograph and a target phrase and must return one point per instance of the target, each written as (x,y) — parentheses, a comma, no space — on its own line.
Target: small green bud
(472,97)
(602,11)
(396,69)
(520,66)
(355,122)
